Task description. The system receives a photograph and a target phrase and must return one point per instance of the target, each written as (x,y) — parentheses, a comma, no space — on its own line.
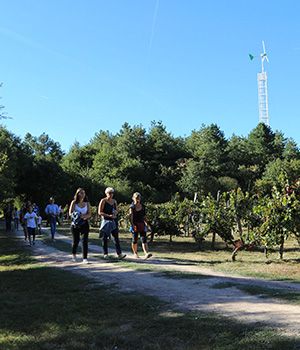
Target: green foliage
(9,150)
(43,147)
(164,218)
(165,169)
(276,212)
(207,162)
(218,217)
(3,115)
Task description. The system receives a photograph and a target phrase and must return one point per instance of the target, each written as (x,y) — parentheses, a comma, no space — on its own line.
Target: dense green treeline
(153,162)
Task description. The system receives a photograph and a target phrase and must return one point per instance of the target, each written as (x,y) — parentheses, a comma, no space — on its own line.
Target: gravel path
(185,294)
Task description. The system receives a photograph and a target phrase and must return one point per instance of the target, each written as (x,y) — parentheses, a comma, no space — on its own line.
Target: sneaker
(148,255)
(105,256)
(121,256)
(74,258)
(85,261)
(136,255)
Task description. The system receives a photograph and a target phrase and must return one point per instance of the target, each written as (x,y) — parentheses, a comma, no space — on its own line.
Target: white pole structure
(262,84)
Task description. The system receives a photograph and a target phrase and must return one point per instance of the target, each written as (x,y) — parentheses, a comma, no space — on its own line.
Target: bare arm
(36,220)
(116,209)
(72,205)
(131,216)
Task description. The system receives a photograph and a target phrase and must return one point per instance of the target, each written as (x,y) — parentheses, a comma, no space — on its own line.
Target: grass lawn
(46,308)
(249,263)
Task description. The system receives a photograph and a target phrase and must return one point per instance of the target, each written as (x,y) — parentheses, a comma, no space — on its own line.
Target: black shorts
(31,230)
(135,236)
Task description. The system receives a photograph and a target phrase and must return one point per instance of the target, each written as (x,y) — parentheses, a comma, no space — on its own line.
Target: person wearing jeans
(80,212)
(109,224)
(110,228)
(52,212)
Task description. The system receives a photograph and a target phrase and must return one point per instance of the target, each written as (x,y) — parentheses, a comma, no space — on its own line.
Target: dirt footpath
(185,294)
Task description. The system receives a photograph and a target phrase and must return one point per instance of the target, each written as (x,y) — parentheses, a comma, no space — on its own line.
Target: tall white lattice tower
(262,83)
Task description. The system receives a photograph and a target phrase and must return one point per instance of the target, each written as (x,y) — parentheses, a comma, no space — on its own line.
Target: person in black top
(108,209)
(139,225)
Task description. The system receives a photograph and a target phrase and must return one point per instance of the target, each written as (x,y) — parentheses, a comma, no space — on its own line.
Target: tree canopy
(153,162)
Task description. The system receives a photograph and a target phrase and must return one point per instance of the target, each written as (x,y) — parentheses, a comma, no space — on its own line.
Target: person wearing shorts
(30,219)
(139,225)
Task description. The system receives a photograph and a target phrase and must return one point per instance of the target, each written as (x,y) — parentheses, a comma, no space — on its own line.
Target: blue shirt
(52,209)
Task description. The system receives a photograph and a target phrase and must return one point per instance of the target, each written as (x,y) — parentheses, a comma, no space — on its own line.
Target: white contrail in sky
(153,24)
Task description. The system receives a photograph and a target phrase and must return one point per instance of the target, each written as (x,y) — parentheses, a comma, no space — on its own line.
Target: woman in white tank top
(80,212)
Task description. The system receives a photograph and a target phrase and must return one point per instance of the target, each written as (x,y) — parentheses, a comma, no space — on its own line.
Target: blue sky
(70,68)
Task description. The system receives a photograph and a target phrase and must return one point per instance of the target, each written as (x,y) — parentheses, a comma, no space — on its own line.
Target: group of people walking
(28,217)
(80,213)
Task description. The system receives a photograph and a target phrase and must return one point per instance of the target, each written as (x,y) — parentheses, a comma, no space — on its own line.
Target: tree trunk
(187,228)
(234,254)
(151,236)
(240,227)
(213,241)
(281,247)
(266,252)
(238,245)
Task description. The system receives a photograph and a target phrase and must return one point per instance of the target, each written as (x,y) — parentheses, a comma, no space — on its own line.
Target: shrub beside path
(184,294)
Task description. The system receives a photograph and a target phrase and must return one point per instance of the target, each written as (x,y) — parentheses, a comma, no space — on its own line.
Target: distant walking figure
(30,219)
(139,225)
(16,218)
(39,223)
(52,213)
(80,212)
(108,210)
(23,211)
